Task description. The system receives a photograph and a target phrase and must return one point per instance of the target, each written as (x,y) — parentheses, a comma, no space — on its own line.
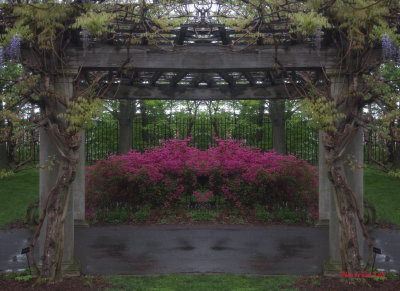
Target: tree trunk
(260,122)
(55,204)
(396,156)
(338,146)
(126,115)
(393,146)
(3,147)
(56,212)
(277,115)
(214,123)
(346,211)
(3,157)
(143,113)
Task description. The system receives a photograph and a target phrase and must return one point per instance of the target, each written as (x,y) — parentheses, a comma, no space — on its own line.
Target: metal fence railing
(301,139)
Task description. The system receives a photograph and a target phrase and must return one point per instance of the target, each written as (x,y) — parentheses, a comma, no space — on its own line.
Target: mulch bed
(18,224)
(180,217)
(338,283)
(386,225)
(68,283)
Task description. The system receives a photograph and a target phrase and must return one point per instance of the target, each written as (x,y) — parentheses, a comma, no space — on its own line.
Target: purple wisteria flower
(13,49)
(389,50)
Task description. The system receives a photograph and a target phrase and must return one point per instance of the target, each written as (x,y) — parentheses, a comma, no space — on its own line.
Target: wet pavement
(11,244)
(144,250)
(201,249)
(389,242)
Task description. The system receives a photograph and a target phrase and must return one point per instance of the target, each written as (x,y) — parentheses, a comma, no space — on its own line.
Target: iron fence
(301,139)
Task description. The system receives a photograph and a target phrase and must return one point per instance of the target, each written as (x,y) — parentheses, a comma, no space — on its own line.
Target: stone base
(71,268)
(81,223)
(332,268)
(335,268)
(322,223)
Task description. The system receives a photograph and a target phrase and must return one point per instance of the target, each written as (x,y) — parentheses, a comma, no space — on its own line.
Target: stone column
(78,187)
(324,187)
(48,152)
(355,178)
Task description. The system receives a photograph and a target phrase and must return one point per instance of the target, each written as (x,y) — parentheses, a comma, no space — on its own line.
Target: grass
(201,282)
(17,192)
(382,191)
(202,215)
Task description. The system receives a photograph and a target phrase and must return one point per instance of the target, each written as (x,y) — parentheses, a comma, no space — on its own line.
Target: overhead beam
(200,93)
(202,58)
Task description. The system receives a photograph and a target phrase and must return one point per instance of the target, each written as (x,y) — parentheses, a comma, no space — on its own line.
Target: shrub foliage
(166,175)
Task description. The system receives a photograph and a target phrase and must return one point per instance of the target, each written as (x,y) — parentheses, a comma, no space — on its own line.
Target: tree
(384,115)
(125,114)
(279,115)
(15,114)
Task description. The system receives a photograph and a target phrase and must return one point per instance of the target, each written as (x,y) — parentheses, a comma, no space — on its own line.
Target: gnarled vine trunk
(56,213)
(65,143)
(336,144)
(346,209)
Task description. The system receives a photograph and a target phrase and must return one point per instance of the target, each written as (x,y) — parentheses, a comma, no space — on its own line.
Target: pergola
(201,60)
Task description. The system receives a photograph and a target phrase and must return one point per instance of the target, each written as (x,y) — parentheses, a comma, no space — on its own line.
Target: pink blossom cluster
(202,197)
(164,175)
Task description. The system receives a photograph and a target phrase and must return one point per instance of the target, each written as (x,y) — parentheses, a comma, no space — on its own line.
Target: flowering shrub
(165,175)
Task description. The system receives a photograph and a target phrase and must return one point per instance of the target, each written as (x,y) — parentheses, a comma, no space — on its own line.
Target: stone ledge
(81,223)
(322,223)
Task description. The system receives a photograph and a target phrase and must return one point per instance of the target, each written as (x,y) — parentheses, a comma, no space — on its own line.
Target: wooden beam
(227,78)
(155,77)
(249,78)
(202,58)
(203,93)
(175,80)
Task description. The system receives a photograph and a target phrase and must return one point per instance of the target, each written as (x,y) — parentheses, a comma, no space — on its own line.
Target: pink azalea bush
(165,175)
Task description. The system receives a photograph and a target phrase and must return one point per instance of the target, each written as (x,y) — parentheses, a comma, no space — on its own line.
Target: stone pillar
(324,187)
(78,187)
(48,152)
(355,178)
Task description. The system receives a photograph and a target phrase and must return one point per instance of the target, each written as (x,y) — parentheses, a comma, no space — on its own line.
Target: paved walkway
(142,250)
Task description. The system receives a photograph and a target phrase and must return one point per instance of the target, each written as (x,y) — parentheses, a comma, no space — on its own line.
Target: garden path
(165,249)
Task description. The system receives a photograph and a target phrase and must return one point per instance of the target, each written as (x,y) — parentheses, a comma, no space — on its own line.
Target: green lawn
(202,282)
(383,191)
(17,192)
